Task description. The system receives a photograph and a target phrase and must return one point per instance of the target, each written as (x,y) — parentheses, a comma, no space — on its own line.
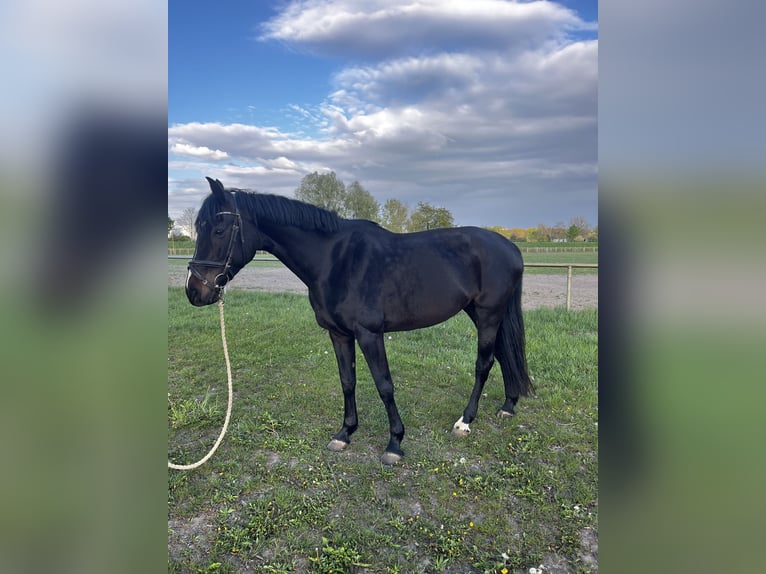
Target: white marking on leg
(460,428)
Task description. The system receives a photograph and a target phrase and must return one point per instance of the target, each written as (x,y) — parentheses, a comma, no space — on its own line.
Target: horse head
(221,248)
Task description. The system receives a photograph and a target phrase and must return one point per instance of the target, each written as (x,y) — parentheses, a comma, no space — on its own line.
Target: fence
(578,249)
(569,267)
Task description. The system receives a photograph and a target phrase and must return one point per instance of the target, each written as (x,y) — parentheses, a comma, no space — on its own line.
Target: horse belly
(408,313)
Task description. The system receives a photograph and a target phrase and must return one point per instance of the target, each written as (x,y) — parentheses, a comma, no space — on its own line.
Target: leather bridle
(224,265)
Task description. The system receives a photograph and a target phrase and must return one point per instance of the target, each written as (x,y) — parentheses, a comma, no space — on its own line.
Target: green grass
(513,495)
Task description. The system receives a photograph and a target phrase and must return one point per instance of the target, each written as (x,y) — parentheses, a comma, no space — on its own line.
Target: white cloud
(503,114)
(383,27)
(198,151)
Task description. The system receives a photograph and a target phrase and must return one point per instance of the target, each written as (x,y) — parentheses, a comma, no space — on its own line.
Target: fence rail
(578,249)
(569,268)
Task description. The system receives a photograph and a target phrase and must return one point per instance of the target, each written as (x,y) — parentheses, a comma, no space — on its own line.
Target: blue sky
(485,107)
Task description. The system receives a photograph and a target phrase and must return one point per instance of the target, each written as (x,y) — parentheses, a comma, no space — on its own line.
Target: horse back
(388,281)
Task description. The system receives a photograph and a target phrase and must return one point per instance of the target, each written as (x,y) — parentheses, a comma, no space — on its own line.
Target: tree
(323,190)
(543,232)
(504,231)
(360,204)
(187,219)
(583,228)
(572,232)
(171,223)
(518,234)
(426,216)
(394,215)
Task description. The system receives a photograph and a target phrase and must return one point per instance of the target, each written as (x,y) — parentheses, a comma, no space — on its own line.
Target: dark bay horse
(364,281)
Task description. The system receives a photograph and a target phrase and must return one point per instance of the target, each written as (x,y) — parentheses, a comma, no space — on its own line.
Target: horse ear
(215,186)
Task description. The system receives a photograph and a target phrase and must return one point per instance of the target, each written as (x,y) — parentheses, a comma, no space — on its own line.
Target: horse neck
(302,251)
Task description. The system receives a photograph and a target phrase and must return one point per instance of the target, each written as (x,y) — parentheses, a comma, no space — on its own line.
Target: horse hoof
(504,414)
(460,428)
(336,445)
(390,458)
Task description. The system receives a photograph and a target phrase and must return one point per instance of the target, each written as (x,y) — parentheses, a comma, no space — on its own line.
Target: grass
(515,494)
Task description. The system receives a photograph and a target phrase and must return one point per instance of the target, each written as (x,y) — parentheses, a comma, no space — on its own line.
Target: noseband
(224,265)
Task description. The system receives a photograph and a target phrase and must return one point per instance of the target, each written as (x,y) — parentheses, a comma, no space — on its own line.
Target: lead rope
(228,407)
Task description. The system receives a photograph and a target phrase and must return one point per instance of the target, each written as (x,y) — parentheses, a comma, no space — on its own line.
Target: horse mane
(278,210)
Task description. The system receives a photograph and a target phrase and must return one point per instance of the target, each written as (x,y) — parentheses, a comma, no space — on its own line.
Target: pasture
(517,493)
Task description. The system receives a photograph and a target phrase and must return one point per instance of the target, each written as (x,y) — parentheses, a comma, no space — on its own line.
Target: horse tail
(510,348)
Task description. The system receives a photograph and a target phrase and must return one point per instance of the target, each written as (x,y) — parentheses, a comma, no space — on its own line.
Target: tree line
(577,230)
(355,202)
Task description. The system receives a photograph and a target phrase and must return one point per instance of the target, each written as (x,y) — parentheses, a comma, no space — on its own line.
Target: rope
(228,407)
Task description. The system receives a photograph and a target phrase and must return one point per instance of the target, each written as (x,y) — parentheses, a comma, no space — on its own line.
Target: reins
(228,407)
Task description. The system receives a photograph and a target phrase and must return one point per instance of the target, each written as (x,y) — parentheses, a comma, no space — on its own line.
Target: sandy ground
(539,290)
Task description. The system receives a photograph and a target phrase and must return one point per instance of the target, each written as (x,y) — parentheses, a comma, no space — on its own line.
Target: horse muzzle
(201,290)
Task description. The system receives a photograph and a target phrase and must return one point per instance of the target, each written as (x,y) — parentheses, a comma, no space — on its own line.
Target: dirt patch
(191,538)
(539,290)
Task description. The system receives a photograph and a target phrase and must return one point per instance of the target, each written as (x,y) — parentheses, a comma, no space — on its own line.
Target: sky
(485,107)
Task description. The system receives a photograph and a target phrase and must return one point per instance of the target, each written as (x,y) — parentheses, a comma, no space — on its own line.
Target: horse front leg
(374,351)
(345,353)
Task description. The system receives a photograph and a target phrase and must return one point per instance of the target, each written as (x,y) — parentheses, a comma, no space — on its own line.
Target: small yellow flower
(454,493)
(504,571)
(470,524)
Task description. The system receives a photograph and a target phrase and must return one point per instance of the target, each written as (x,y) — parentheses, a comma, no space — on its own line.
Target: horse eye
(218,232)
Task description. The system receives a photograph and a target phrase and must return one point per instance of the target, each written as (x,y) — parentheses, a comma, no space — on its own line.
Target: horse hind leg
(485,358)
(511,354)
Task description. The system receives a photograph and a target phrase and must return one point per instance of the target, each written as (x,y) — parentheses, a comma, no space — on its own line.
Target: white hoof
(460,428)
(336,445)
(390,458)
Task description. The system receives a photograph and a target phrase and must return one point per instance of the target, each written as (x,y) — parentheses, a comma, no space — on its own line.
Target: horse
(364,281)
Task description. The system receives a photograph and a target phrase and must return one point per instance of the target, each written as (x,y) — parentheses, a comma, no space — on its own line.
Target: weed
(334,559)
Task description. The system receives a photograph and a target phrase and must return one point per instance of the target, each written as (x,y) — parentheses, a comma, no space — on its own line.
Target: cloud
(463,98)
(500,109)
(198,151)
(411,79)
(381,28)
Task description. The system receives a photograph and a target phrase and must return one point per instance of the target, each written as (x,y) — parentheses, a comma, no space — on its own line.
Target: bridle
(224,265)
